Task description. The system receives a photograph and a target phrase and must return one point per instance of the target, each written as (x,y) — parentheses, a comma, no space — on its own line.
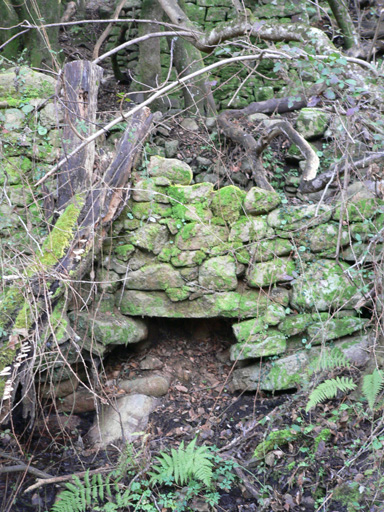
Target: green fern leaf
(328,389)
(372,385)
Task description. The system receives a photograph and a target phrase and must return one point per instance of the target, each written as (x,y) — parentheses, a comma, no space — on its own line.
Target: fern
(330,359)
(80,496)
(329,389)
(372,385)
(184,465)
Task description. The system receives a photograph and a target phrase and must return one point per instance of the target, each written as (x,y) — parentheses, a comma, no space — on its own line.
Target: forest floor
(330,459)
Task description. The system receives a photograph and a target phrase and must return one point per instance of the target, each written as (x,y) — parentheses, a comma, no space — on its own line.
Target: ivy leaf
(330,94)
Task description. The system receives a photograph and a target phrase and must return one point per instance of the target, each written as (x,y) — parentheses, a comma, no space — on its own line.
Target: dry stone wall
(182,250)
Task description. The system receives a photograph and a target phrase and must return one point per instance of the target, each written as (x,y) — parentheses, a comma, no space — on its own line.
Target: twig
(28,469)
(64,478)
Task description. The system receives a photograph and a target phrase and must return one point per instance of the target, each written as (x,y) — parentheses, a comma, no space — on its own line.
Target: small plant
(328,389)
(372,385)
(184,465)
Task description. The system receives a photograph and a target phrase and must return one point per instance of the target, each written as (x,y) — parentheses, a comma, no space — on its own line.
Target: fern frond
(330,359)
(328,389)
(372,385)
(184,465)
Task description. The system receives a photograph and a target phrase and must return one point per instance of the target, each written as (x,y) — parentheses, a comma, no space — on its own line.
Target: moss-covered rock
(218,274)
(285,373)
(263,344)
(296,324)
(23,82)
(14,169)
(312,122)
(151,237)
(325,237)
(201,192)
(297,217)
(245,304)
(324,285)
(149,210)
(259,201)
(109,281)
(334,328)
(109,329)
(175,170)
(227,203)
(196,236)
(188,258)
(361,206)
(247,229)
(268,249)
(145,190)
(124,252)
(270,272)
(178,294)
(157,276)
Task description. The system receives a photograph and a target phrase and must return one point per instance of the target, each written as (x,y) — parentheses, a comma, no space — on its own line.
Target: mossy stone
(124,252)
(175,170)
(200,192)
(109,281)
(244,304)
(296,324)
(151,237)
(156,276)
(145,190)
(196,236)
(325,237)
(270,272)
(312,122)
(263,344)
(265,250)
(227,203)
(297,217)
(334,328)
(259,201)
(247,229)
(358,209)
(218,274)
(178,294)
(324,285)
(188,258)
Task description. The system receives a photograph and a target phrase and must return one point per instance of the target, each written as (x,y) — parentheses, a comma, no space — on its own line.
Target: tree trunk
(344,20)
(67,253)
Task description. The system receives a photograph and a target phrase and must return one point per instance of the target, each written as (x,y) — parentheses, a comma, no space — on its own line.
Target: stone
(139,259)
(325,237)
(249,330)
(331,329)
(178,294)
(151,237)
(197,193)
(296,217)
(218,274)
(153,385)
(247,229)
(124,252)
(13,169)
(188,258)
(147,211)
(362,205)
(171,147)
(265,250)
(257,117)
(244,304)
(109,329)
(296,324)
(259,201)
(227,203)
(52,390)
(190,124)
(156,276)
(75,403)
(128,415)
(263,344)
(176,171)
(51,115)
(22,81)
(263,93)
(270,272)
(145,190)
(108,280)
(13,119)
(282,374)
(311,123)
(195,236)
(324,285)
(151,363)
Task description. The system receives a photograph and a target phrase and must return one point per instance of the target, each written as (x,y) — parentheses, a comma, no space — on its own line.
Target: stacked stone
(188,251)
(29,144)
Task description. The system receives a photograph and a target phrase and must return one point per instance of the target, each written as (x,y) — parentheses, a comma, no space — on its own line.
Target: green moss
(24,318)
(61,235)
(167,253)
(275,440)
(325,436)
(124,251)
(142,211)
(178,294)
(227,203)
(10,302)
